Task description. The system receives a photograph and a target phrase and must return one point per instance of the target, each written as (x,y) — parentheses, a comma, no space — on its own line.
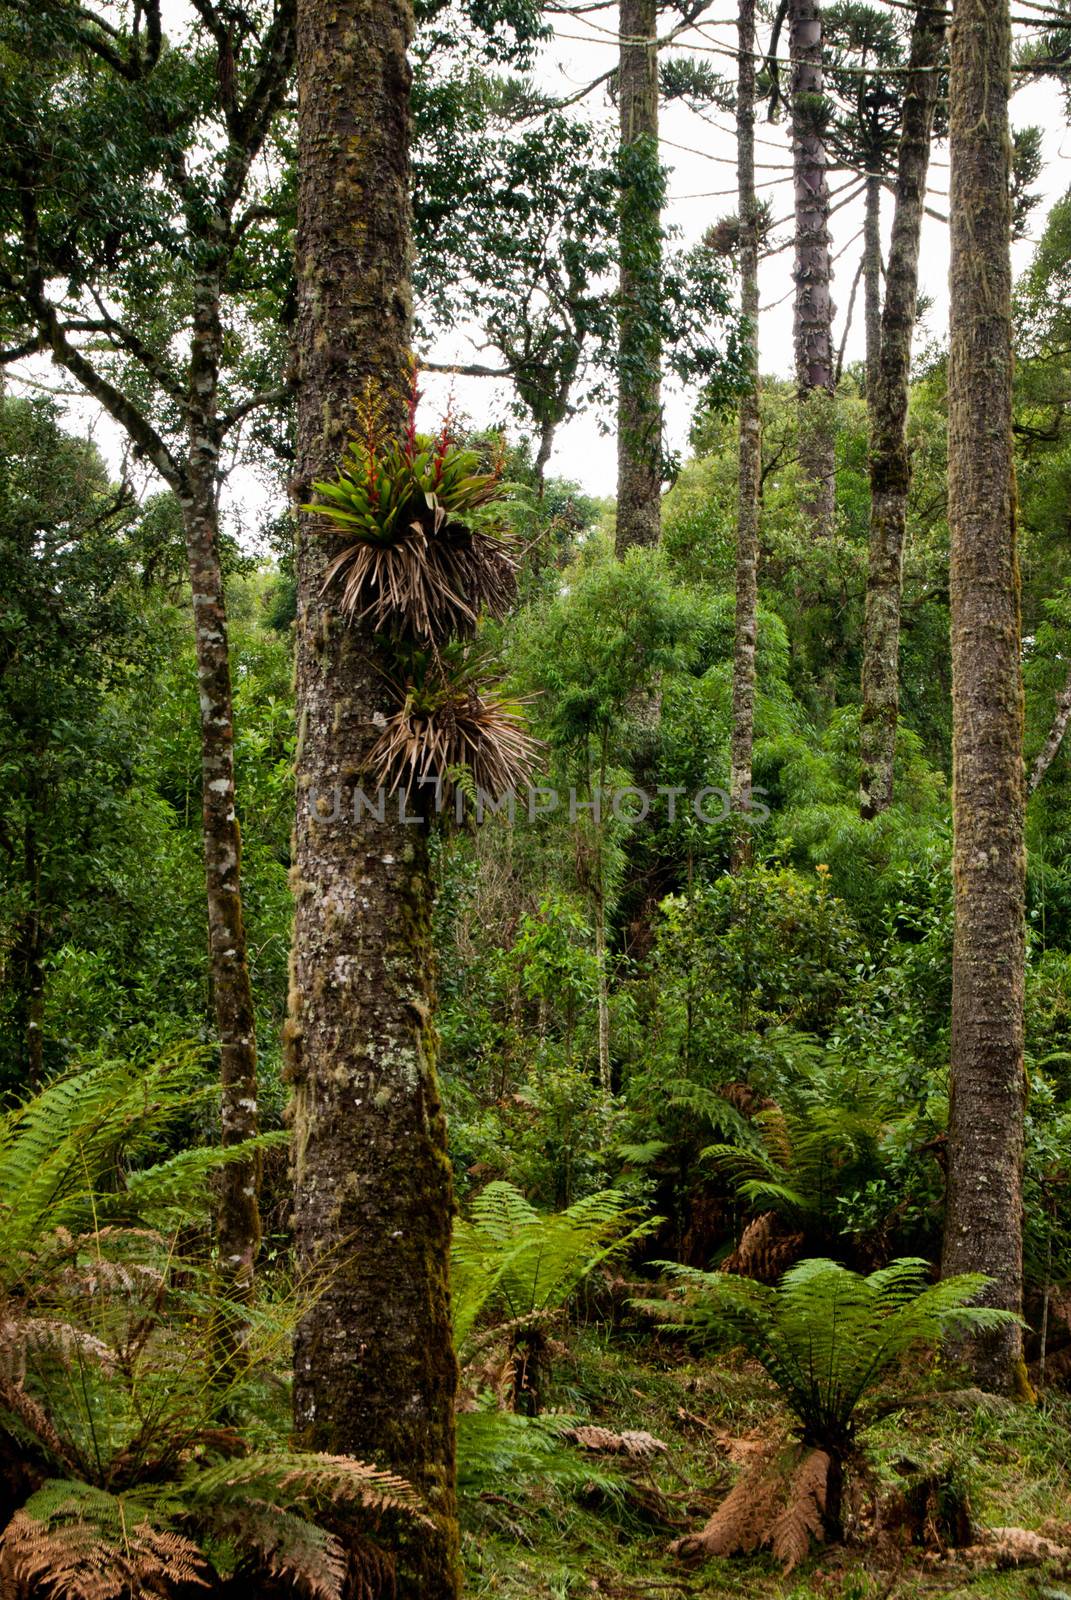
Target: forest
(535,799)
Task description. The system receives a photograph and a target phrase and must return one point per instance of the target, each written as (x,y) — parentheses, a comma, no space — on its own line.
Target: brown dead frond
(635,1443)
(432,583)
(766,1250)
(777,1502)
(133,1279)
(24,1337)
(34,1418)
(800,1518)
(422,747)
(76,1559)
(308,1560)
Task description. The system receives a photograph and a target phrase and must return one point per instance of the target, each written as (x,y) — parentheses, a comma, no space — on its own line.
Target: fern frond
(167,1193)
(296,1478)
(720,1113)
(497,1447)
(800,1518)
(284,1546)
(23,1337)
(508,1253)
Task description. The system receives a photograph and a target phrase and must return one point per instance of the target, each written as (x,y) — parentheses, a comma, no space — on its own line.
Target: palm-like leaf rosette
(449,722)
(429,549)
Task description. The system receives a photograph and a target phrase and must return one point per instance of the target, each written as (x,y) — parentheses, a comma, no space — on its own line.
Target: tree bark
(639,410)
(29,950)
(374,1369)
(872,277)
(603,981)
(238,1217)
(750,455)
(813,312)
(983,1222)
(890,464)
(1047,754)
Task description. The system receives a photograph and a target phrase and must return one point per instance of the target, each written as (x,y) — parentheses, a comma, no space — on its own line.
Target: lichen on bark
(374,1371)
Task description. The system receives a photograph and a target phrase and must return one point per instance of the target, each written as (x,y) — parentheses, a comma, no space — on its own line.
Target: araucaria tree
(375,1371)
(890,465)
(750,449)
(983,1220)
(813,320)
(639,407)
(135,241)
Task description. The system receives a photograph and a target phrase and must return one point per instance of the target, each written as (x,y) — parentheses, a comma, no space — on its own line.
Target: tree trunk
(813,317)
(374,1369)
(238,1226)
(872,278)
(983,1222)
(639,410)
(29,949)
(1047,754)
(750,454)
(890,465)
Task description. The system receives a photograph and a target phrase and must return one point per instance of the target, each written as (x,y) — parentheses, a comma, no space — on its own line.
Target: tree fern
(827,1336)
(509,1255)
(800,1156)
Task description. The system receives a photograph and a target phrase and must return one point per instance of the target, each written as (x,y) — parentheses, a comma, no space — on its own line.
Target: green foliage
(114,1388)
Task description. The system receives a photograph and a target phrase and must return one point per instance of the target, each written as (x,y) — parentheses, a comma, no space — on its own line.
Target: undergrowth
(559,1540)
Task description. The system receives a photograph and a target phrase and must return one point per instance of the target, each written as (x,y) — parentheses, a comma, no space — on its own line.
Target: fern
(796,1158)
(500,1447)
(509,1255)
(73,1542)
(112,1385)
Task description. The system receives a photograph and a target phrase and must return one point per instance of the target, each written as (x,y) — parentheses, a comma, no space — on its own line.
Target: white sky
(702,188)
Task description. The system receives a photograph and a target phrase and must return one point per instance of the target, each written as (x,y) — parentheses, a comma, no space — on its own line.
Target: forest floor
(1014,1464)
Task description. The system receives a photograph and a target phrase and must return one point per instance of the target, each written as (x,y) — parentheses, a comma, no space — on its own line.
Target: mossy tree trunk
(639,409)
(750,454)
(983,1221)
(375,1372)
(890,465)
(813,312)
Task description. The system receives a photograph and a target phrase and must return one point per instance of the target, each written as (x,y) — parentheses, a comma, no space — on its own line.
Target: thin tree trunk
(1047,754)
(29,951)
(890,464)
(374,1368)
(813,315)
(547,431)
(603,1001)
(983,1221)
(750,455)
(872,277)
(639,410)
(848,315)
(238,1224)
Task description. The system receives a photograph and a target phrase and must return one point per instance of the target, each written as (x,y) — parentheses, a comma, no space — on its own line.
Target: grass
(536,1543)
